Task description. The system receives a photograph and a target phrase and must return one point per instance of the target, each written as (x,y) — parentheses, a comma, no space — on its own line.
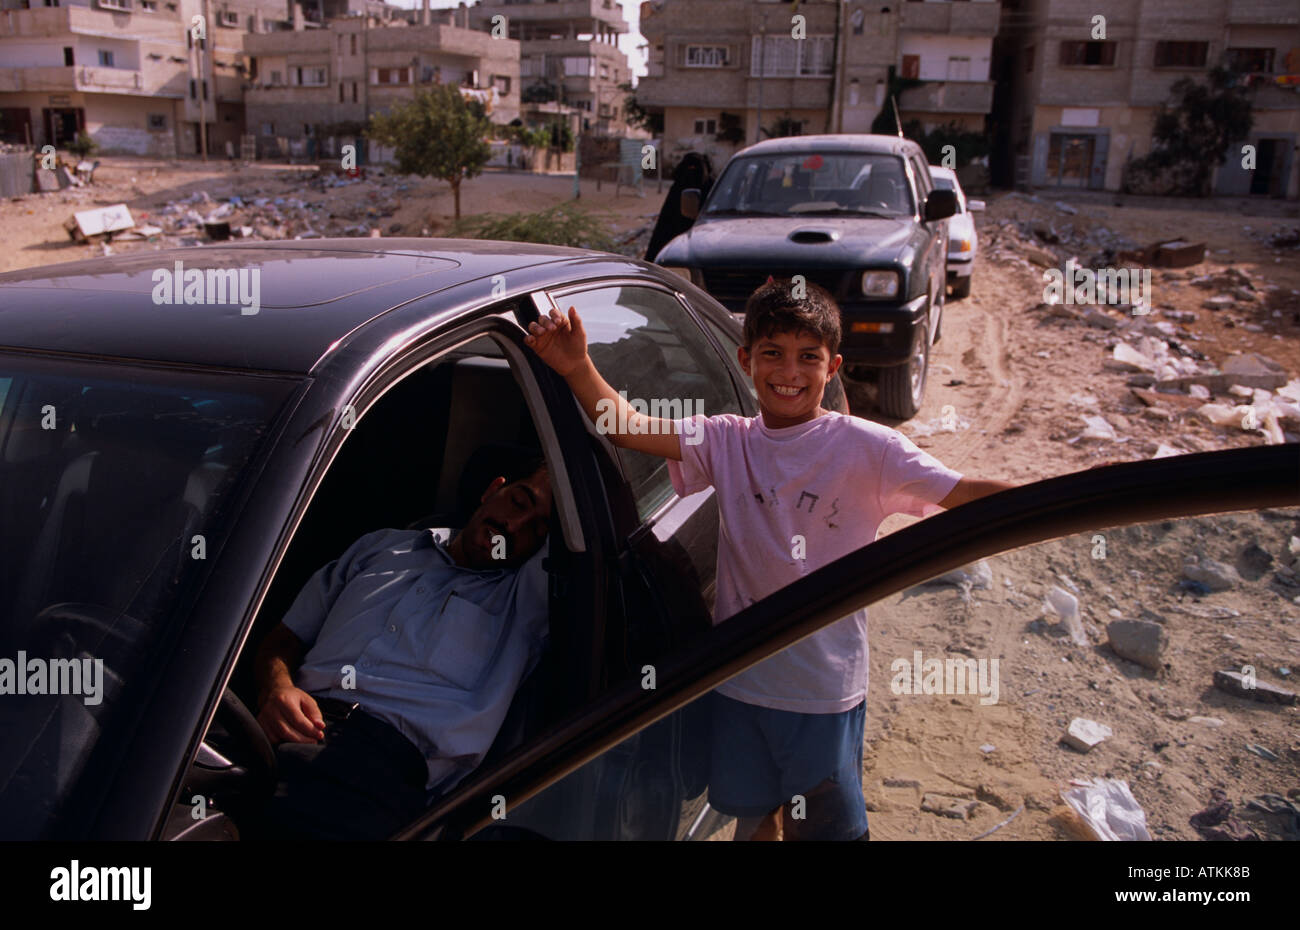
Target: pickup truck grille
(732,286)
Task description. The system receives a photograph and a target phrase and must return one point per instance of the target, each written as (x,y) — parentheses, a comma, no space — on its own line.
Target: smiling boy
(797,487)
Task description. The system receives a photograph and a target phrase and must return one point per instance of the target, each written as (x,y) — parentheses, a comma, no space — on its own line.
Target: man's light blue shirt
(437,650)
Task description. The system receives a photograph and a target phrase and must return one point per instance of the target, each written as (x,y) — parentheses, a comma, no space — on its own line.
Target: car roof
(938,171)
(848,142)
(313,293)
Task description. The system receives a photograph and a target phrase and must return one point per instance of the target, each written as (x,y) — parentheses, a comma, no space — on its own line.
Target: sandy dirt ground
(1018,377)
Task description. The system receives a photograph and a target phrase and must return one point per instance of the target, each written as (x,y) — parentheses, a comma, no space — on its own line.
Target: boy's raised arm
(561,342)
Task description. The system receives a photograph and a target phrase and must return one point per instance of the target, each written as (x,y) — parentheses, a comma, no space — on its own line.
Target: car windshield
(821,183)
(116,484)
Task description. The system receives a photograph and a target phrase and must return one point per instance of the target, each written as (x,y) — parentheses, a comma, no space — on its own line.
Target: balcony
(1262,13)
(958,19)
(948,97)
(60,22)
(72,78)
(606,11)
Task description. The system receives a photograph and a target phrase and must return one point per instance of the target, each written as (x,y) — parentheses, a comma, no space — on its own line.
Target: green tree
(1190,136)
(638,115)
(83,146)
(437,135)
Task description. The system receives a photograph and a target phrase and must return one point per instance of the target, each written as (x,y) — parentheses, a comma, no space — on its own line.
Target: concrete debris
(1140,641)
(1084,735)
(1235,683)
(1214,575)
(944,806)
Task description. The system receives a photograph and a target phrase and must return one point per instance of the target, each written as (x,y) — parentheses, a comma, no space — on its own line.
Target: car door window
(1011,665)
(644,343)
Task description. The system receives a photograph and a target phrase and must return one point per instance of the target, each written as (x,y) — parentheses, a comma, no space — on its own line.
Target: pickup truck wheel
(961,288)
(903,386)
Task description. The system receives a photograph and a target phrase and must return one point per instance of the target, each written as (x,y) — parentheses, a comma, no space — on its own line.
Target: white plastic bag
(1108,809)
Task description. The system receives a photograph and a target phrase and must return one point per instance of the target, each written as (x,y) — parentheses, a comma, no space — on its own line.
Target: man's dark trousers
(364,781)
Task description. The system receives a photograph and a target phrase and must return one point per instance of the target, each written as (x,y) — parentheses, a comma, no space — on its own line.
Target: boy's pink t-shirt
(831,481)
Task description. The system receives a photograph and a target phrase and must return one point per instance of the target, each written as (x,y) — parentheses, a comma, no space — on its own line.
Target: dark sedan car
(857,214)
(174,470)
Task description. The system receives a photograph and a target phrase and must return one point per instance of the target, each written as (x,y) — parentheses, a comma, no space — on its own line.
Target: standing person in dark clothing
(694,170)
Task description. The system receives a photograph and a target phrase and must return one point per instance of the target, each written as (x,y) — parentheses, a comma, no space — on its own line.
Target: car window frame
(493,319)
(556,294)
(1225,481)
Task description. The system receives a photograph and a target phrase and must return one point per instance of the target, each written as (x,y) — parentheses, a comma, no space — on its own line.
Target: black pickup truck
(857,214)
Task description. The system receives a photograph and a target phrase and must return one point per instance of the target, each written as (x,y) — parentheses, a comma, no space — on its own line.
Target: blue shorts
(762,758)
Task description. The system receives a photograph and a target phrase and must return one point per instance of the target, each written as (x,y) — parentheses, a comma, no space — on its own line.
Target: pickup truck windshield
(803,184)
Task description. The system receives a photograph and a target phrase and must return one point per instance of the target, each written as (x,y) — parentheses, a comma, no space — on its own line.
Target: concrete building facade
(310,80)
(725,73)
(137,75)
(1080,94)
(569,57)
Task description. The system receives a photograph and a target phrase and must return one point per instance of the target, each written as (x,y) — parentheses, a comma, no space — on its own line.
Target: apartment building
(949,46)
(569,58)
(137,75)
(306,81)
(1079,104)
(725,73)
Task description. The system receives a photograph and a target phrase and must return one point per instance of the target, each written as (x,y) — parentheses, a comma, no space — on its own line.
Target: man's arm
(561,342)
(287,713)
(969,489)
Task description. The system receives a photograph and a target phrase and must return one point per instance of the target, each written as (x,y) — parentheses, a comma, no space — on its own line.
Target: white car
(962,241)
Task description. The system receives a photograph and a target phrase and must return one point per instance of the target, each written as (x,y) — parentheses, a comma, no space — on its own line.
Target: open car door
(1251,493)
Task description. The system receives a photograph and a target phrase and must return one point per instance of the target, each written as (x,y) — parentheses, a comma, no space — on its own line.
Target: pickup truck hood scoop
(814,235)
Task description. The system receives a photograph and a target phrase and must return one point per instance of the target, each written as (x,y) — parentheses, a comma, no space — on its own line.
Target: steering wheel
(253,772)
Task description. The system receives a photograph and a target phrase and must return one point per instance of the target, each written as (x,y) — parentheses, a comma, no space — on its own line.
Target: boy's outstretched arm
(969,489)
(561,342)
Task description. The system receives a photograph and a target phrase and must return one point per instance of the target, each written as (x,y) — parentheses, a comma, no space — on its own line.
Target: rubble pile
(200,217)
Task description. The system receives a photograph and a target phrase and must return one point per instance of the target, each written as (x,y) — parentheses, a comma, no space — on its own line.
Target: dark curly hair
(773,309)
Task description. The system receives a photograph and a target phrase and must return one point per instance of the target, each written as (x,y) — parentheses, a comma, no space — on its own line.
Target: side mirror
(689,205)
(940,205)
(975,206)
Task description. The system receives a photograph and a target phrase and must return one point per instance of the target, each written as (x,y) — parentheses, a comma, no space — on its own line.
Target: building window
(354,91)
(158,121)
(1029,59)
(105,58)
(194,89)
(526,66)
(579,66)
(1181,54)
(1087,53)
(782,56)
(309,77)
(268,129)
(604,71)
(502,83)
(706,127)
(959,68)
(911,66)
(205,88)
(354,43)
(306,129)
(115,4)
(857,20)
(229,19)
(149,6)
(391,76)
(277,78)
(68,58)
(1249,60)
(707,56)
(340,91)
